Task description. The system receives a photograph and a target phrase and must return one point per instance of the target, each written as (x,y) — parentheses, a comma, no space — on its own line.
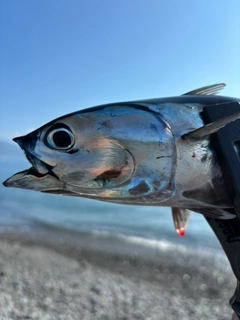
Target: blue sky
(59,56)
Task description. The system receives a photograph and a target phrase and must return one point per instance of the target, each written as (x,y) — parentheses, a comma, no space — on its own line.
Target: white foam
(163,245)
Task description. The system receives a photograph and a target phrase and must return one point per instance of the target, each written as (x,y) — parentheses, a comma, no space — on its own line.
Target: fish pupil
(62,139)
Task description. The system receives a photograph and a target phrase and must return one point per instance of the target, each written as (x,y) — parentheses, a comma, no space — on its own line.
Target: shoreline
(42,272)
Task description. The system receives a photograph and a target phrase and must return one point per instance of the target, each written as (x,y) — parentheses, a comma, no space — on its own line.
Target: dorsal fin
(207,91)
(180,219)
(212,127)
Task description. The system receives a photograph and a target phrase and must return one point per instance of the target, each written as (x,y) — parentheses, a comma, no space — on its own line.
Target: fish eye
(60,138)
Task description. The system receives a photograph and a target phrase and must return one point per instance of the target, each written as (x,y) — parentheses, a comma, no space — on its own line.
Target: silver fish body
(132,153)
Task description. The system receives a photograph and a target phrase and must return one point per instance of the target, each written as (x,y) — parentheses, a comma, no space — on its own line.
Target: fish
(152,152)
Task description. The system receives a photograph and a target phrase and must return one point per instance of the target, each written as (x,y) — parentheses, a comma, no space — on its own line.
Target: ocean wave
(163,245)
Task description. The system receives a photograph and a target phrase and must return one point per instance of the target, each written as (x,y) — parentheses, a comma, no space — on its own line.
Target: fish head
(119,153)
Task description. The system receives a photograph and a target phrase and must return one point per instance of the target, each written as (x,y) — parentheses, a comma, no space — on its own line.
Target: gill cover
(119,153)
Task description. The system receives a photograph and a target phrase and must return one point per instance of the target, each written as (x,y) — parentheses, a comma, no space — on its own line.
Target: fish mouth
(38,172)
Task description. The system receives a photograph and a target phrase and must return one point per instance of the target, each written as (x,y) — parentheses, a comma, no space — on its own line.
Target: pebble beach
(59,275)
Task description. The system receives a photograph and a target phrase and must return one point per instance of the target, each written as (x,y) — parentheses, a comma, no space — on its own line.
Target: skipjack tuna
(149,152)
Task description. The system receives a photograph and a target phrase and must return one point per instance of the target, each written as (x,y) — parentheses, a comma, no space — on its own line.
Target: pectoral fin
(213,126)
(180,219)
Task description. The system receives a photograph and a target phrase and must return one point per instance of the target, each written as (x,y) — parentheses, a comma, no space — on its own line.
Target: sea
(144,225)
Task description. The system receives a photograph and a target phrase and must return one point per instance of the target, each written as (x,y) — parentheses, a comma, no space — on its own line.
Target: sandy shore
(57,275)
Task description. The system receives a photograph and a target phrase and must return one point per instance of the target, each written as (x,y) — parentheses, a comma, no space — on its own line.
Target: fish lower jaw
(14,180)
(25,179)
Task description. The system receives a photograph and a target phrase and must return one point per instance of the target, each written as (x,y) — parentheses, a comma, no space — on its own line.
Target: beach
(49,275)
(66,258)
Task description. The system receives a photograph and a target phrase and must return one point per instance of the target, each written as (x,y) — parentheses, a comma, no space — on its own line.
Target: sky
(60,56)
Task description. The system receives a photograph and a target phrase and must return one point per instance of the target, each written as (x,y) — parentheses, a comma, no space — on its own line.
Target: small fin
(180,219)
(216,213)
(211,127)
(207,91)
